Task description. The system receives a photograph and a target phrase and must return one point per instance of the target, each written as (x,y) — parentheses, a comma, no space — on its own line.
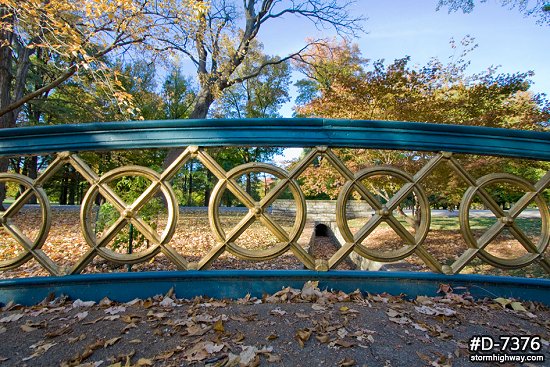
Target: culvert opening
(324,244)
(321,230)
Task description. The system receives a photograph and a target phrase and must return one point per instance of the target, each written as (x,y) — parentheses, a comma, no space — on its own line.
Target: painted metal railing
(322,136)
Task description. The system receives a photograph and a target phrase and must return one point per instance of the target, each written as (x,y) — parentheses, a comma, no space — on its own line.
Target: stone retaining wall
(322,210)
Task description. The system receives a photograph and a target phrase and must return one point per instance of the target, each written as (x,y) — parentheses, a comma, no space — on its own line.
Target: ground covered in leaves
(294,327)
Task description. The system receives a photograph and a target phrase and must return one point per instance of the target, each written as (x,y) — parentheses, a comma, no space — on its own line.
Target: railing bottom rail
(234,284)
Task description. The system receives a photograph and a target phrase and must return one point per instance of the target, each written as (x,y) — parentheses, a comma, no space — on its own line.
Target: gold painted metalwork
(129,213)
(258,211)
(383,213)
(506,219)
(32,247)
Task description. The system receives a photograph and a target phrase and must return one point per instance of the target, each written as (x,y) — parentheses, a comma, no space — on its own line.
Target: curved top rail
(285,132)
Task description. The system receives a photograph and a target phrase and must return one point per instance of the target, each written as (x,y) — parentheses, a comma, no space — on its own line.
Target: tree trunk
(207,188)
(7,120)
(204,100)
(63,190)
(190,187)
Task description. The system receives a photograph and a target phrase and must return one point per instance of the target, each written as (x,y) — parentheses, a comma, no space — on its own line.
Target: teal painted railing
(65,142)
(295,132)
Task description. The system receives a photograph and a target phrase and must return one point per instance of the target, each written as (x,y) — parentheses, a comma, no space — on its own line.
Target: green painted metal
(235,284)
(296,132)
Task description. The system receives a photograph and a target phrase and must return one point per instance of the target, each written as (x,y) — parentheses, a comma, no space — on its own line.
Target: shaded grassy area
(445,241)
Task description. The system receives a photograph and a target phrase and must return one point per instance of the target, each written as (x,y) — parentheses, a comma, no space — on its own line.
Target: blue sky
(414,28)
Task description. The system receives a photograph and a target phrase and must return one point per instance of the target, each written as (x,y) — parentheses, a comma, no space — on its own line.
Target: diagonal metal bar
(83,168)
(341,254)
(401,194)
(523,239)
(172,169)
(428,168)
(542,184)
(174,256)
(400,230)
(406,189)
(344,171)
(490,235)
(242,226)
(111,232)
(231,185)
(367,228)
(112,197)
(464,260)
(107,236)
(521,204)
(485,197)
(145,229)
(27,244)
(274,227)
(428,259)
(145,196)
(274,192)
(19,236)
(211,256)
(18,203)
(53,167)
(306,161)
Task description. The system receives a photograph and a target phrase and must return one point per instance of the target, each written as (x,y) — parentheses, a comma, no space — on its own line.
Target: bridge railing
(439,144)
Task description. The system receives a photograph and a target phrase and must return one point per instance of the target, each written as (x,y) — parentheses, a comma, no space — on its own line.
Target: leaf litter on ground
(278,328)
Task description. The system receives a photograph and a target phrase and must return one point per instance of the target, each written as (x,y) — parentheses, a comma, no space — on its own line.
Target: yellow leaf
(218,326)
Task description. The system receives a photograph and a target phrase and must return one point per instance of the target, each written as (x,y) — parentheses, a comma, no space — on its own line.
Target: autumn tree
(341,83)
(539,9)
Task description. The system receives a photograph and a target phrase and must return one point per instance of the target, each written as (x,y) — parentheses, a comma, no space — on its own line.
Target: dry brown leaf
(303,335)
(10,318)
(76,338)
(239,337)
(344,343)
(346,362)
(322,338)
(218,326)
(112,341)
(144,362)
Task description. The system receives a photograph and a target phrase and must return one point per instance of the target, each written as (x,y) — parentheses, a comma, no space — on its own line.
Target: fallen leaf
(81,315)
(346,362)
(167,302)
(344,343)
(444,288)
(277,311)
(10,318)
(144,362)
(27,328)
(218,326)
(517,306)
(322,338)
(303,335)
(112,341)
(502,301)
(115,309)
(80,303)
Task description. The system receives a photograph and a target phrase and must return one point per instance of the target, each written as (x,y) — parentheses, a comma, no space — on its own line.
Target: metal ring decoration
(28,244)
(256,212)
(382,213)
(129,214)
(505,219)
